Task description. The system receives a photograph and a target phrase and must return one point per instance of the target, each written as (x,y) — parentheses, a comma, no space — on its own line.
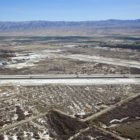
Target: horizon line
(68,20)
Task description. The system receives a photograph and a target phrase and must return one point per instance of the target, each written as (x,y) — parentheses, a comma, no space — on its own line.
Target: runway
(69,79)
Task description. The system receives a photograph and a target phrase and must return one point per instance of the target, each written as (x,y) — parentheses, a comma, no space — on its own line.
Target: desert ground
(70,108)
(69,55)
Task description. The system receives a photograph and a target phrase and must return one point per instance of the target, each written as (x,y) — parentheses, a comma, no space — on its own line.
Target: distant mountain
(70,28)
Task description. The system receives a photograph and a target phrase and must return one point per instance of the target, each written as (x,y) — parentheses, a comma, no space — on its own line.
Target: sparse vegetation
(51,111)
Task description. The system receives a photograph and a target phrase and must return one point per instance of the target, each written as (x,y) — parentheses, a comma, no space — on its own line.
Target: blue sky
(68,10)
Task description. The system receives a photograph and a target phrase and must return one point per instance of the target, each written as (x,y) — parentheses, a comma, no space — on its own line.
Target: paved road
(69,76)
(69,79)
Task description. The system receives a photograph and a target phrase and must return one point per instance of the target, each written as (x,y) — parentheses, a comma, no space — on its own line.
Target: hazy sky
(68,10)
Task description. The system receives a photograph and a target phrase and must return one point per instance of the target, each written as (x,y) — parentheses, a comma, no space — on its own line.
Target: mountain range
(106,27)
